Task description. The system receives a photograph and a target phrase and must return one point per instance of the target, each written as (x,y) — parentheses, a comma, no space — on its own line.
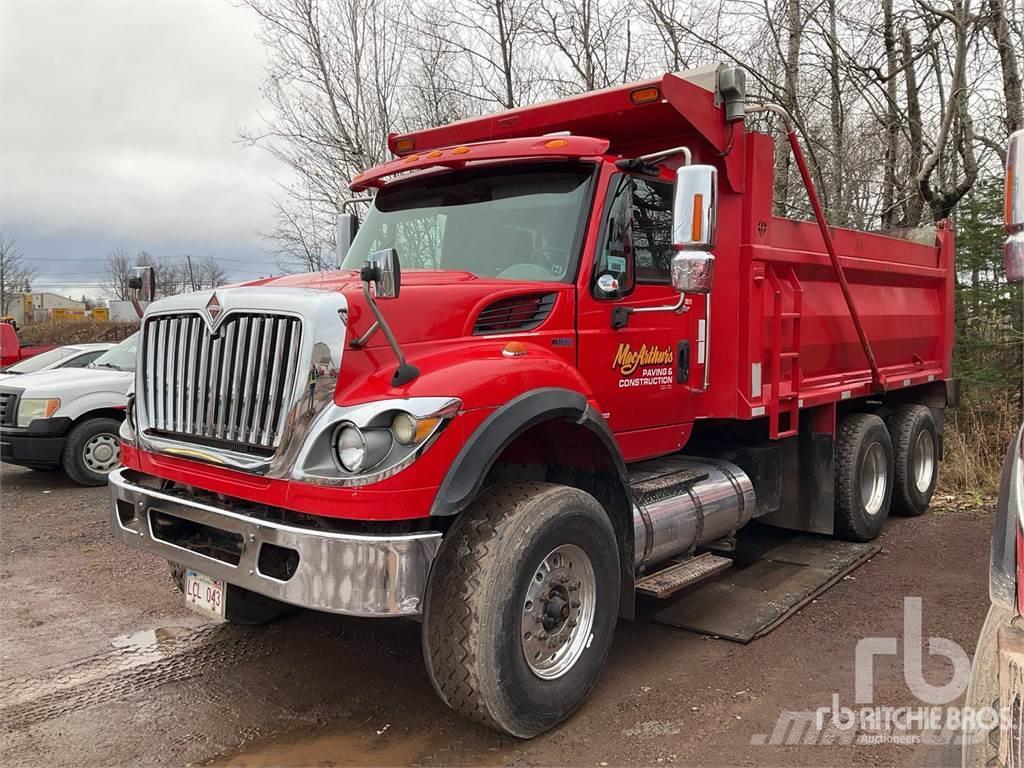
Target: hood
(68,382)
(414,315)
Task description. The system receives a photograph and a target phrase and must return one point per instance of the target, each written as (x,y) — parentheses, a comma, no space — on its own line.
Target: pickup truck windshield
(41,361)
(121,357)
(520,223)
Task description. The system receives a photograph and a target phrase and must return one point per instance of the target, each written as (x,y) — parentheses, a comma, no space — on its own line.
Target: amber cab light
(644,95)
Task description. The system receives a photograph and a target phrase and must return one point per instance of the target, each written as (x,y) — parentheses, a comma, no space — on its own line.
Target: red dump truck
(568,350)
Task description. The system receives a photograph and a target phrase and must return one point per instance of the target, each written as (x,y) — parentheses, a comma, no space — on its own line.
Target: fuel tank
(681,503)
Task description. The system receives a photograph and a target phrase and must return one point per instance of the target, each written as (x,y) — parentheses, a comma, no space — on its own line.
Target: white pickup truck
(69,417)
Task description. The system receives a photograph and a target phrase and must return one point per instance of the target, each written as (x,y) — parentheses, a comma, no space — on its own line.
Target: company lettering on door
(646,366)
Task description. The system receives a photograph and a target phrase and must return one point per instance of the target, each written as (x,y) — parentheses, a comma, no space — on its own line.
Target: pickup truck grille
(231,388)
(8,409)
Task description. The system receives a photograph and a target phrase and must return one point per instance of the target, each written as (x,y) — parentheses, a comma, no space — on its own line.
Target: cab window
(636,243)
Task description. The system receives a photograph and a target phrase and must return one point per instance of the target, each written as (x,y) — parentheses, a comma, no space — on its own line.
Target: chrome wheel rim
(924,461)
(102,453)
(873,479)
(558,612)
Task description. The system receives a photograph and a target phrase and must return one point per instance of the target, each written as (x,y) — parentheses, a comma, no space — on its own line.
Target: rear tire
(864,470)
(242,606)
(521,606)
(92,450)
(916,458)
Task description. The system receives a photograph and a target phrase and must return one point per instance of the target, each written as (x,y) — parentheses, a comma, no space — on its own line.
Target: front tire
(92,450)
(864,469)
(521,606)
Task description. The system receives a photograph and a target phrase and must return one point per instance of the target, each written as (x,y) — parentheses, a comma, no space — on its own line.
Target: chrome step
(668,581)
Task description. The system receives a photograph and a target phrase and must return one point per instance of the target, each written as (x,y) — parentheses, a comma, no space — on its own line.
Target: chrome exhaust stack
(680,504)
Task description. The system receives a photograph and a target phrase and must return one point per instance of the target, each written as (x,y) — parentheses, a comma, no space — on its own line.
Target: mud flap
(783,572)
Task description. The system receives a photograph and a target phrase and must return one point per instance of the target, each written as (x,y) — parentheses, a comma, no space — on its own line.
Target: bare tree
(118,272)
(332,83)
(16,274)
(593,37)
(209,273)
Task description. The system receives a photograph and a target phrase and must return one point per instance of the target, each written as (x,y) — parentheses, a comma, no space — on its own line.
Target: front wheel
(92,450)
(521,606)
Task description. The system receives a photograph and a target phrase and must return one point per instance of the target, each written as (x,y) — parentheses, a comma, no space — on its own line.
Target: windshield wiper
(109,365)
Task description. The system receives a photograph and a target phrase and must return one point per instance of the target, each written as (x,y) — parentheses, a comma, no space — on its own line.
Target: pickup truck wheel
(242,605)
(92,450)
(864,473)
(521,606)
(915,446)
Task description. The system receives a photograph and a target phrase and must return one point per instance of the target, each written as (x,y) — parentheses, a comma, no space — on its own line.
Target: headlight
(35,408)
(409,430)
(358,450)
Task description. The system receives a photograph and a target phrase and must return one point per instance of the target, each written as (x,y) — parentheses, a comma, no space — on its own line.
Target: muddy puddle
(341,746)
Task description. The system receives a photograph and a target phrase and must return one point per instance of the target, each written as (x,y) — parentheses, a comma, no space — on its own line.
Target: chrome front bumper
(353,574)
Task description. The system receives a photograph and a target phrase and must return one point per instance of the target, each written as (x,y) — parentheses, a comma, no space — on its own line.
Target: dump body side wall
(903,291)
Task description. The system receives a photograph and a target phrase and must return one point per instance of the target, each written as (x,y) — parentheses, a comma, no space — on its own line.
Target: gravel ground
(102,664)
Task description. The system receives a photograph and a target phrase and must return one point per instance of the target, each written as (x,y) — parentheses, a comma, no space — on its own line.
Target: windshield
(511,223)
(121,357)
(41,361)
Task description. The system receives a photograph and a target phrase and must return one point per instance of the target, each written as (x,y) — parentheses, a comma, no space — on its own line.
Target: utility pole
(191,276)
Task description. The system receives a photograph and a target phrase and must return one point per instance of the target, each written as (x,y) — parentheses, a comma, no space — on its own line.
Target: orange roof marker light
(434,153)
(460,150)
(644,95)
(404,145)
(411,159)
(556,144)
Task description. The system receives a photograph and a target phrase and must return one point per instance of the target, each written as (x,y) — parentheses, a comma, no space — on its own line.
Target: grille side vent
(514,313)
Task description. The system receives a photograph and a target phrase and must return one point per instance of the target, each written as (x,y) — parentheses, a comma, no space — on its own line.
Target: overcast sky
(118,125)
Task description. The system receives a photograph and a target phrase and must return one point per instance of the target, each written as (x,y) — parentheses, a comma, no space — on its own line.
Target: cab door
(640,365)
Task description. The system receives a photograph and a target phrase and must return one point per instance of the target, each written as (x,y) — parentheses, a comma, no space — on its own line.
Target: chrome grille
(8,408)
(230,388)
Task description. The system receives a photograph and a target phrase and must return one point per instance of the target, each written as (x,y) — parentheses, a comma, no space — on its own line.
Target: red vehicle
(569,348)
(11,350)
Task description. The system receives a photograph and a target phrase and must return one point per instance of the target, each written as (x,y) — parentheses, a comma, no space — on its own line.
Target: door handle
(683,362)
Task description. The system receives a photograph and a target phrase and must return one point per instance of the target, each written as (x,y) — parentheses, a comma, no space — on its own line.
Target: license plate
(205,595)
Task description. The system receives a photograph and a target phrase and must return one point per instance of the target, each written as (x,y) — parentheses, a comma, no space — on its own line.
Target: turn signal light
(697,228)
(644,95)
(556,144)
(514,349)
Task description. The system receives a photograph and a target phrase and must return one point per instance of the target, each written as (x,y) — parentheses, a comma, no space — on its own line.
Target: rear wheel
(92,450)
(521,606)
(916,459)
(241,606)
(864,468)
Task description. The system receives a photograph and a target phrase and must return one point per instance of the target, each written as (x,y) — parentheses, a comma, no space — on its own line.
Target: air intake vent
(515,313)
